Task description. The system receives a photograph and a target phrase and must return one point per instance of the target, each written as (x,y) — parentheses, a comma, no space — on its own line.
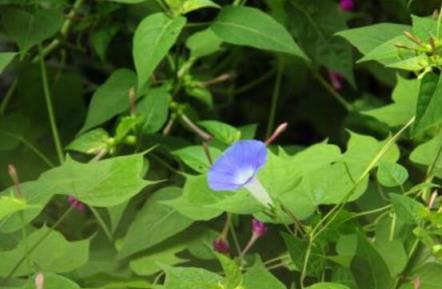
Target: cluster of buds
(428,54)
(259,229)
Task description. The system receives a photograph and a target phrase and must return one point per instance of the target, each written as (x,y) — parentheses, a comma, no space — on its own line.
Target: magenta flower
(221,246)
(237,168)
(336,79)
(76,204)
(259,229)
(346,5)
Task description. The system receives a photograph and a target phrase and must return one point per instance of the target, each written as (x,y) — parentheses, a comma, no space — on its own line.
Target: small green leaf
(153,38)
(221,131)
(110,99)
(258,277)
(203,43)
(127,125)
(251,27)
(153,109)
(196,158)
(429,103)
(5,59)
(159,220)
(391,174)
(407,209)
(91,142)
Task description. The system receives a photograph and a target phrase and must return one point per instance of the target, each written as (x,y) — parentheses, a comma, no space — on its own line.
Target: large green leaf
(429,103)
(367,38)
(251,27)
(159,220)
(368,267)
(5,59)
(153,109)
(258,277)
(29,29)
(403,108)
(103,184)
(110,99)
(153,38)
(54,254)
(314,24)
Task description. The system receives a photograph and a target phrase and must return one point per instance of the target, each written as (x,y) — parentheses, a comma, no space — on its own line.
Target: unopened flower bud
(259,229)
(39,281)
(346,5)
(76,204)
(220,245)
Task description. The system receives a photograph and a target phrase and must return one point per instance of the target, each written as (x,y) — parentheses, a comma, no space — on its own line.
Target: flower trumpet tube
(238,167)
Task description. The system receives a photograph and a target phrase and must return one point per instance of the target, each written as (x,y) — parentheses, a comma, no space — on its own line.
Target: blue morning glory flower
(237,168)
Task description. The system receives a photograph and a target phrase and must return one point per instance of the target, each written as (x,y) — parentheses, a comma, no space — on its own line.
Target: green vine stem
(49,106)
(275,97)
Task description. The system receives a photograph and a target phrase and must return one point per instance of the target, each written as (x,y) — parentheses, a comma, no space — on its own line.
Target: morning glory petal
(237,166)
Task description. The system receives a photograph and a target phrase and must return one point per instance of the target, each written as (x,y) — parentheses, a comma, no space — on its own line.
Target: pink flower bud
(221,246)
(259,229)
(39,281)
(347,5)
(76,203)
(335,79)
